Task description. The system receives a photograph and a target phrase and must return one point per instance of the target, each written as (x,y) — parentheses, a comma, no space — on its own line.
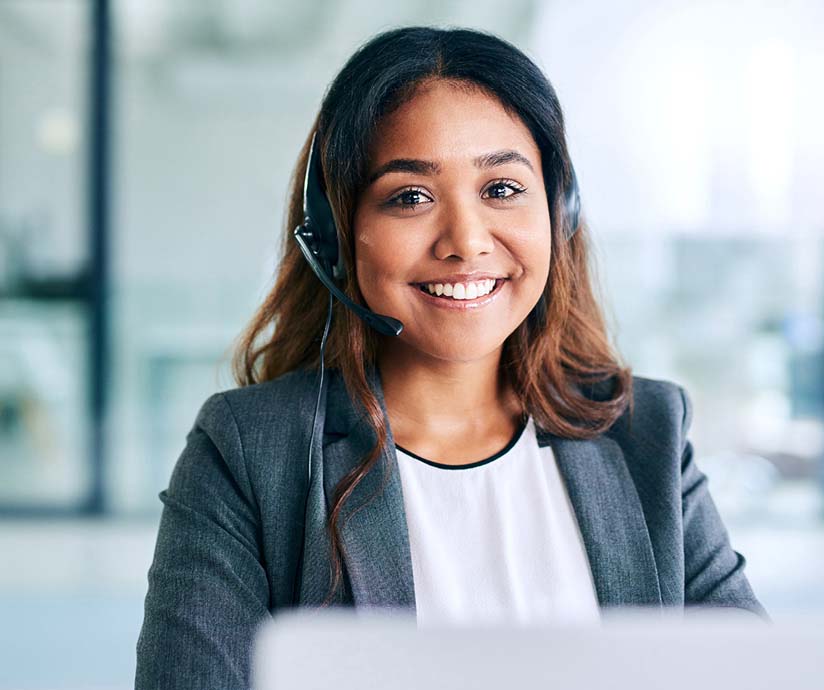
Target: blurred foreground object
(632,648)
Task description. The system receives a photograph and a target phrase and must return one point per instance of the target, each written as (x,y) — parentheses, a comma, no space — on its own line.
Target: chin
(467,350)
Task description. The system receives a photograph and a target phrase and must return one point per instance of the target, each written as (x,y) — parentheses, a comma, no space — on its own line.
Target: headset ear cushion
(319,210)
(572,204)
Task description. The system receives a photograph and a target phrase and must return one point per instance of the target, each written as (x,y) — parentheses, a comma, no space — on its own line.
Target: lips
(453,278)
(460,290)
(463,295)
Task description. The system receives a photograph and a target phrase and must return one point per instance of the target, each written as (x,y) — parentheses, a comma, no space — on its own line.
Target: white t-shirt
(496,541)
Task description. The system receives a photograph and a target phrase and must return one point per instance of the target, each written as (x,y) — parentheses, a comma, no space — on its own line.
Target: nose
(465,234)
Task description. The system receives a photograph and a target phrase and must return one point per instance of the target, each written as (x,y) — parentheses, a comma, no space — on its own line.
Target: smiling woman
(492,461)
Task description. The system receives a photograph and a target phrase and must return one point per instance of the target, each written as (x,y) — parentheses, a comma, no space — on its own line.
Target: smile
(461,295)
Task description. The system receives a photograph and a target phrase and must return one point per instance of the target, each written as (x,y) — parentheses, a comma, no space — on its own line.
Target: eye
(499,188)
(408,199)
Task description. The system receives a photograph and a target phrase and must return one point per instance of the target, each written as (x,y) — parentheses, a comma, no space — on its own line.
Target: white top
(496,541)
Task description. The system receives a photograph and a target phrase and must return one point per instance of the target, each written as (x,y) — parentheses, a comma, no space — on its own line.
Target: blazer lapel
(611,519)
(373,530)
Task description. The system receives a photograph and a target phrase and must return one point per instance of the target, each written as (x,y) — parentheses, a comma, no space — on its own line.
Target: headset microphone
(318,240)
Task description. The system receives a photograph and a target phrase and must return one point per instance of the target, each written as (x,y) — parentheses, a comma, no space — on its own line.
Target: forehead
(450,122)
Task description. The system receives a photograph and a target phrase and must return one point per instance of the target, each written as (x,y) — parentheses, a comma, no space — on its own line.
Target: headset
(319,242)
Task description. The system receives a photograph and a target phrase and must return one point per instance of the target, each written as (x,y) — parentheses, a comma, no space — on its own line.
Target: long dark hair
(552,359)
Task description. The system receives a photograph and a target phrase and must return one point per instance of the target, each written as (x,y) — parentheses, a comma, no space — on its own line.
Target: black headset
(319,243)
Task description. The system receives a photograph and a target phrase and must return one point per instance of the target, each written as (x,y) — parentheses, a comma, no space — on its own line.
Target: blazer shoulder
(660,397)
(659,420)
(655,402)
(255,400)
(234,418)
(274,394)
(660,409)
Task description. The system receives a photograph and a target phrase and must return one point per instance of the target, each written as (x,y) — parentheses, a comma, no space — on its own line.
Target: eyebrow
(423,167)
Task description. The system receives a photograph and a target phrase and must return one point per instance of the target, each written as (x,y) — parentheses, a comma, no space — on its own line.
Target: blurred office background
(145,151)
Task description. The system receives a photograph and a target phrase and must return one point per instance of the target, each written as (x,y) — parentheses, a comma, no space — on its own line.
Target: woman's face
(456,206)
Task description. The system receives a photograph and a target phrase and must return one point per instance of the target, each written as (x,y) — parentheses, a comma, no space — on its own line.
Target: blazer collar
(374,532)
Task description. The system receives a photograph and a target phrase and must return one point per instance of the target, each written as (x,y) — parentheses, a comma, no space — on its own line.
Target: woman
(492,461)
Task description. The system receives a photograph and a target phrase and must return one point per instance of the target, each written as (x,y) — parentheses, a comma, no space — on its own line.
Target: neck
(432,396)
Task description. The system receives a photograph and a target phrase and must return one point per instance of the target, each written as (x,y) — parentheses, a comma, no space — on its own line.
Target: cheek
(381,260)
(371,279)
(532,251)
(543,255)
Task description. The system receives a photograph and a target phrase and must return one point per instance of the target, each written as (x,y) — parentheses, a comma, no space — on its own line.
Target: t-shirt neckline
(478,463)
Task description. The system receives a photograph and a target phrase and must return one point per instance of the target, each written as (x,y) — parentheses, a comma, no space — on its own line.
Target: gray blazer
(231,528)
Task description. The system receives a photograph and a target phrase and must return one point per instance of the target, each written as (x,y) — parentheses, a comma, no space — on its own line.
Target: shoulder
(654,404)
(652,434)
(652,430)
(266,397)
(260,403)
(235,419)
(250,441)
(660,402)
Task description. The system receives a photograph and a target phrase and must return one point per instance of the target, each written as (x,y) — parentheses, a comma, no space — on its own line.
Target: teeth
(461,291)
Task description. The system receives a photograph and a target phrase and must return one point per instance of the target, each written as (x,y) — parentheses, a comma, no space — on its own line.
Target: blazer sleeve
(208,589)
(713,570)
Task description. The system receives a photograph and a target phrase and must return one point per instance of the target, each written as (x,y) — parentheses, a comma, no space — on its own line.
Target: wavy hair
(553,359)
